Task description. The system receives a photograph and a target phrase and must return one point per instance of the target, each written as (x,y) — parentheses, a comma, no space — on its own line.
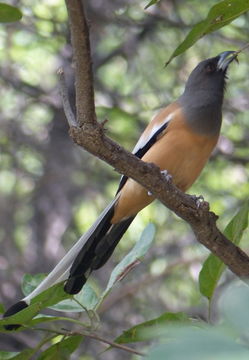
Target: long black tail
(96,251)
(90,252)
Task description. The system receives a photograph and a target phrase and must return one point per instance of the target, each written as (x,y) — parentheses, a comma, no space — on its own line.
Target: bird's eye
(210,67)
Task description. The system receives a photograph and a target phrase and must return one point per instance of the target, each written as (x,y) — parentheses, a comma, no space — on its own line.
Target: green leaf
(58,295)
(62,349)
(22,317)
(234,305)
(213,267)
(152,2)
(51,296)
(140,332)
(67,303)
(46,299)
(1,309)
(219,15)
(4,355)
(9,13)
(30,282)
(41,318)
(87,298)
(196,343)
(24,355)
(131,259)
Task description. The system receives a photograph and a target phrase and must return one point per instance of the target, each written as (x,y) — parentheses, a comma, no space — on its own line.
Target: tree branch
(65,100)
(93,336)
(83,65)
(90,135)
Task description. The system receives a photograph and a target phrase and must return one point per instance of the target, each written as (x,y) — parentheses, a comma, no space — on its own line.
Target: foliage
(152,2)
(142,332)
(51,191)
(219,15)
(228,340)
(213,267)
(9,13)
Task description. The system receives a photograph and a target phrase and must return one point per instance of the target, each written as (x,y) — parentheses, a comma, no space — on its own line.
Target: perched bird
(179,139)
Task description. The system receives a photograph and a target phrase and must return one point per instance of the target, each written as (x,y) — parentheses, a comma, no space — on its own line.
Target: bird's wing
(151,134)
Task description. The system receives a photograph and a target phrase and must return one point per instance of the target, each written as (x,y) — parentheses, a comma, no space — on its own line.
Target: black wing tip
(20,305)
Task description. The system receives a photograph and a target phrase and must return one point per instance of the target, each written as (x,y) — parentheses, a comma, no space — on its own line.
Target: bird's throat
(203,115)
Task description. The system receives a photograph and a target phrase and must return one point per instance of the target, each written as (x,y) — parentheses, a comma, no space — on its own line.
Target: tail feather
(61,271)
(97,250)
(90,252)
(83,260)
(109,242)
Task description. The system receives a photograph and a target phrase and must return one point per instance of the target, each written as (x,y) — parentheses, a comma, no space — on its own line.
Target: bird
(179,140)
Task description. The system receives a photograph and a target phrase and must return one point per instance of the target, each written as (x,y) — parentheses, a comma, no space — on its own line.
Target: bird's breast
(181,152)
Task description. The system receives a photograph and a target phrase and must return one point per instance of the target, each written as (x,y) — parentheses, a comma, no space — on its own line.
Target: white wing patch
(145,138)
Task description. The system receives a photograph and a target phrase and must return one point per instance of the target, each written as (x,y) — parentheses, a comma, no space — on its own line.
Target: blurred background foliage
(51,191)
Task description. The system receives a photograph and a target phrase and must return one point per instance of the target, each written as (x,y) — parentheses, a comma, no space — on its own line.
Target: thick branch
(92,138)
(199,218)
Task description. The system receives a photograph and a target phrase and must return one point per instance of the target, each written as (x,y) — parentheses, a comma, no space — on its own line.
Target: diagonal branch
(90,135)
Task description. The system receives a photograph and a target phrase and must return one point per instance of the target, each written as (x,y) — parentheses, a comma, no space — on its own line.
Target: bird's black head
(203,95)
(210,74)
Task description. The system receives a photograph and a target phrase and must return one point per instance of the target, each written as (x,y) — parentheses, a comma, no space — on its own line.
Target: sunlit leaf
(62,349)
(152,2)
(23,355)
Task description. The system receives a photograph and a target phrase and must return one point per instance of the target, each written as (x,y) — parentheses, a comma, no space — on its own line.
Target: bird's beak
(225,59)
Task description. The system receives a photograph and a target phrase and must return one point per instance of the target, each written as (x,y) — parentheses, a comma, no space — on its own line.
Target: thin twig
(93,336)
(113,344)
(65,100)
(242,49)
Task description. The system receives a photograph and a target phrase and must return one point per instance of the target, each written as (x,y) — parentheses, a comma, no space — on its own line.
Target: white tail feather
(62,269)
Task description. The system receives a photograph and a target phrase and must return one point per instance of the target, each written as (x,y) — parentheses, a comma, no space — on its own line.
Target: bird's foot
(199,200)
(166,175)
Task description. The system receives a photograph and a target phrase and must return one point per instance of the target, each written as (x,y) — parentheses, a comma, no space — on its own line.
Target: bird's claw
(199,200)
(166,175)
